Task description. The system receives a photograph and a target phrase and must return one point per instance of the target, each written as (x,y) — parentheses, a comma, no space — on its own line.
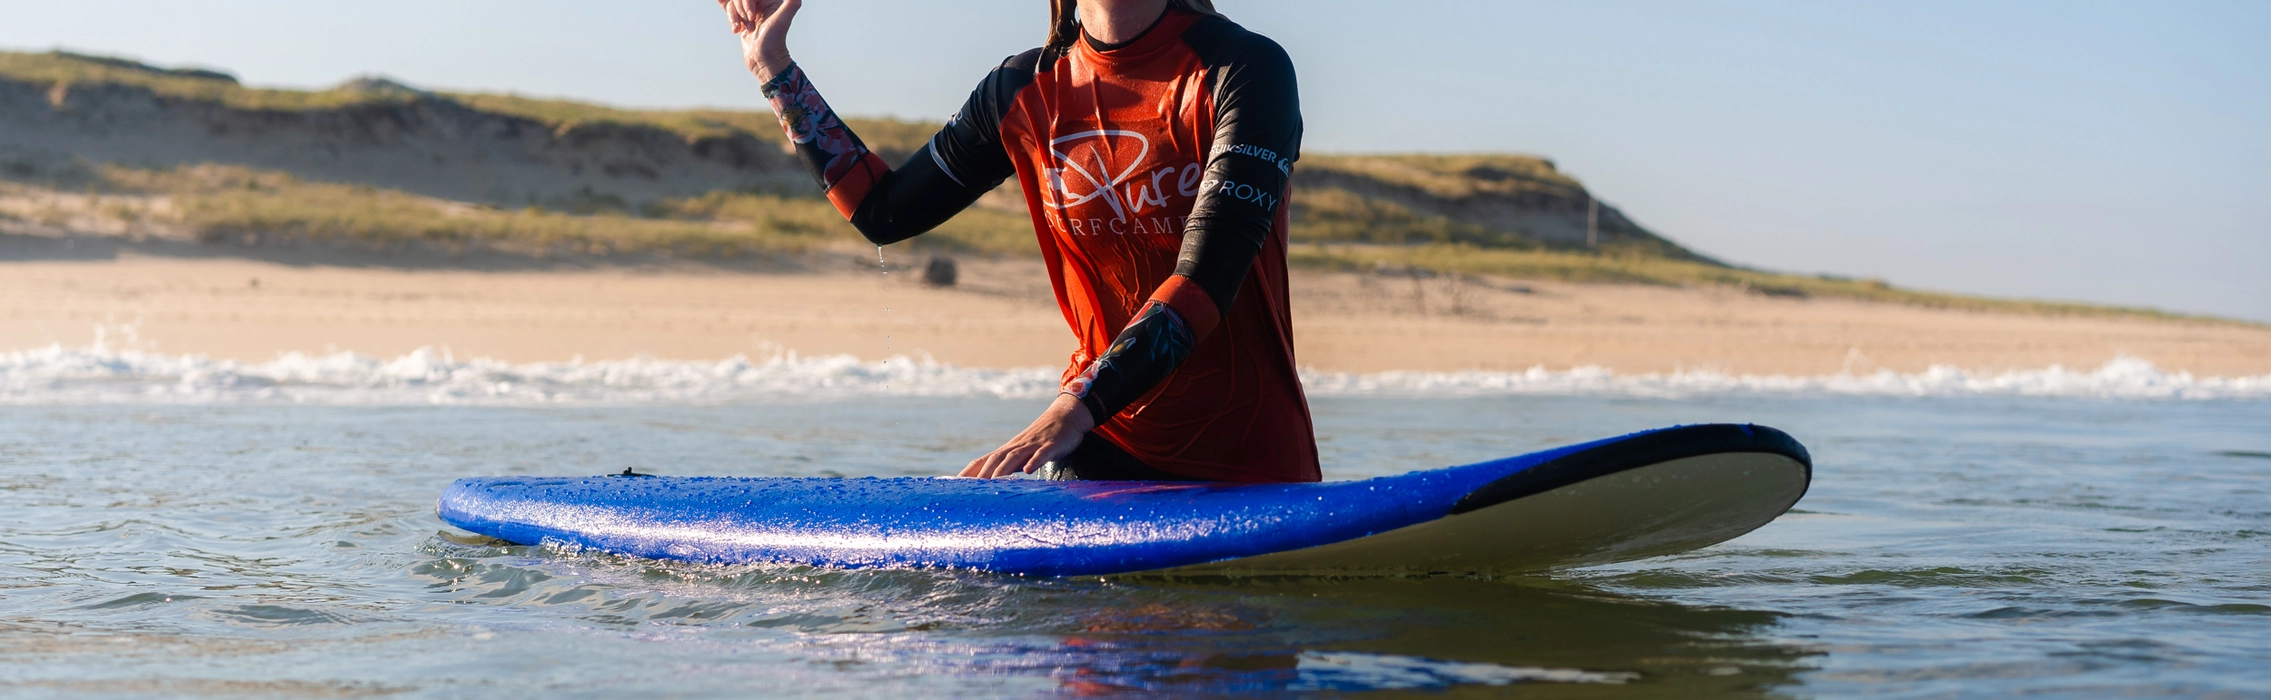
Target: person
(1153,140)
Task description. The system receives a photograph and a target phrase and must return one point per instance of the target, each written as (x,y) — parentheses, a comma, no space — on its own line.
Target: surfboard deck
(1646,494)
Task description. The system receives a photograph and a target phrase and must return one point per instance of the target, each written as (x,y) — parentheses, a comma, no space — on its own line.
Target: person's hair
(1064,21)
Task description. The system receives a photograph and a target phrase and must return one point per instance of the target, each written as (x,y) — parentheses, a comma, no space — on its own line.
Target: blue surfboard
(1640,495)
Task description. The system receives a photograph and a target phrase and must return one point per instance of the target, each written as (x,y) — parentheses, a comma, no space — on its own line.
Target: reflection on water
(1101,636)
(1949,547)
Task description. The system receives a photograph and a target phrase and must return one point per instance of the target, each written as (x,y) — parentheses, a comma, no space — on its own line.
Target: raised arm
(1257,136)
(959,164)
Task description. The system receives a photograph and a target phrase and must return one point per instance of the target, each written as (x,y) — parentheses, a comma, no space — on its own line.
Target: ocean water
(176,526)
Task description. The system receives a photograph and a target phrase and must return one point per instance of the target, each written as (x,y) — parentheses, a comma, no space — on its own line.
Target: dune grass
(1332,214)
(62,68)
(216,203)
(1453,176)
(235,205)
(1634,268)
(889,136)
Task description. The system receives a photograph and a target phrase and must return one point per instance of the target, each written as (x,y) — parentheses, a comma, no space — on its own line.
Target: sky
(2111,152)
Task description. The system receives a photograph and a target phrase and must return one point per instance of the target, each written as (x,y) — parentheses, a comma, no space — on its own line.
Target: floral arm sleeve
(959,164)
(843,165)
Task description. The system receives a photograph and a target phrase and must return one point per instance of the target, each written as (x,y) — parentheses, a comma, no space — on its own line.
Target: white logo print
(1087,175)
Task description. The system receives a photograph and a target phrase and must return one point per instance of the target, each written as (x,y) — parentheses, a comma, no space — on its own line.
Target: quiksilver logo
(1284,165)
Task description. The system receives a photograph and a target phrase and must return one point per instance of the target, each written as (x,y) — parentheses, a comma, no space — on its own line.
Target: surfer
(1153,140)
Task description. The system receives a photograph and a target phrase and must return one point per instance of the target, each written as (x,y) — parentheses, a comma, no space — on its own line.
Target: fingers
(976,467)
(987,466)
(1011,461)
(994,463)
(1004,461)
(749,15)
(735,16)
(777,20)
(1046,440)
(1032,461)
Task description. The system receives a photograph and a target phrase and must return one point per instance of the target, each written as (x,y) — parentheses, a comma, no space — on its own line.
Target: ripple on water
(1948,547)
(141,599)
(278,616)
(1936,576)
(1095,635)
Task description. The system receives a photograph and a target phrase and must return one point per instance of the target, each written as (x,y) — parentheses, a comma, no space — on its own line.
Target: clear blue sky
(2103,151)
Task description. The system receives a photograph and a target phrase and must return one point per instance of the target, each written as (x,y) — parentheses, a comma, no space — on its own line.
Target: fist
(763,26)
(749,15)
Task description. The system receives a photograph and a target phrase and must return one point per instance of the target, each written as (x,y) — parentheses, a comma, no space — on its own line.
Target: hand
(764,29)
(1049,438)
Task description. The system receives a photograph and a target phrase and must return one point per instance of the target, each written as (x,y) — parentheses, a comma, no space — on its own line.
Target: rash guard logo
(1109,166)
(1284,164)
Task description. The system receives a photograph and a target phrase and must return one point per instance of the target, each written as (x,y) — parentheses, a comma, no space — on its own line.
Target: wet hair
(1064,21)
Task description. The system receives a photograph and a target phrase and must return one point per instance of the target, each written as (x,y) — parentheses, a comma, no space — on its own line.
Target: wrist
(773,82)
(1072,413)
(766,68)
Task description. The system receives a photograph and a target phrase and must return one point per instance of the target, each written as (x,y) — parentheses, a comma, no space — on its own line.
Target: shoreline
(1002,315)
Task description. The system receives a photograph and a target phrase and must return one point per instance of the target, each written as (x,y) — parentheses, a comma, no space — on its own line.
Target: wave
(2120,378)
(61,375)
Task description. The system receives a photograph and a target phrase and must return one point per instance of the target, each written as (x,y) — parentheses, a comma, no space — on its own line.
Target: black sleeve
(1257,136)
(962,162)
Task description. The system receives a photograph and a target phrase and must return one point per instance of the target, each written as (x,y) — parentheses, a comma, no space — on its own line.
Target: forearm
(1162,335)
(911,200)
(838,160)
(957,166)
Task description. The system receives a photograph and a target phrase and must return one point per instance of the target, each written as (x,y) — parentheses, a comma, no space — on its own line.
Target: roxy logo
(1087,174)
(1243,192)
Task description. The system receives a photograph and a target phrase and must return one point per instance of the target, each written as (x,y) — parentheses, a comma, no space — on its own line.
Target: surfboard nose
(1641,450)
(1648,494)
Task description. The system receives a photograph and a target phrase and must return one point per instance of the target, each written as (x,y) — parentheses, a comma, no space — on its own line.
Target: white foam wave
(2119,378)
(57,374)
(60,375)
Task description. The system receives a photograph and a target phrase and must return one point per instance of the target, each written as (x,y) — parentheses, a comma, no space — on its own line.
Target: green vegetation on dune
(1462,175)
(1337,215)
(1655,270)
(888,136)
(1488,200)
(1328,213)
(240,206)
(54,68)
(63,68)
(237,205)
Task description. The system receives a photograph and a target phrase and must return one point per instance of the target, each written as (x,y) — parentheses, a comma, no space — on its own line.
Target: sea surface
(175,526)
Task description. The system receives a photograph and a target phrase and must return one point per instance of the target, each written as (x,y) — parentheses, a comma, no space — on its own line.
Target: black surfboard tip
(1636,451)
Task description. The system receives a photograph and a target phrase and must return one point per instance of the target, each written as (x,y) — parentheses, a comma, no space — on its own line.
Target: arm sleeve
(961,162)
(1256,139)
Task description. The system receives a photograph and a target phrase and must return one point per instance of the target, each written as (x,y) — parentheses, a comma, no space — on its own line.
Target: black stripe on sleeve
(1256,140)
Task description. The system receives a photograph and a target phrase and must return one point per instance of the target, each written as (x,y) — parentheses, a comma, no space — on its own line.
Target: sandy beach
(1001,315)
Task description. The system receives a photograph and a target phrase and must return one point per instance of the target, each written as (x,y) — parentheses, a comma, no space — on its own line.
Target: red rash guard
(1156,173)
